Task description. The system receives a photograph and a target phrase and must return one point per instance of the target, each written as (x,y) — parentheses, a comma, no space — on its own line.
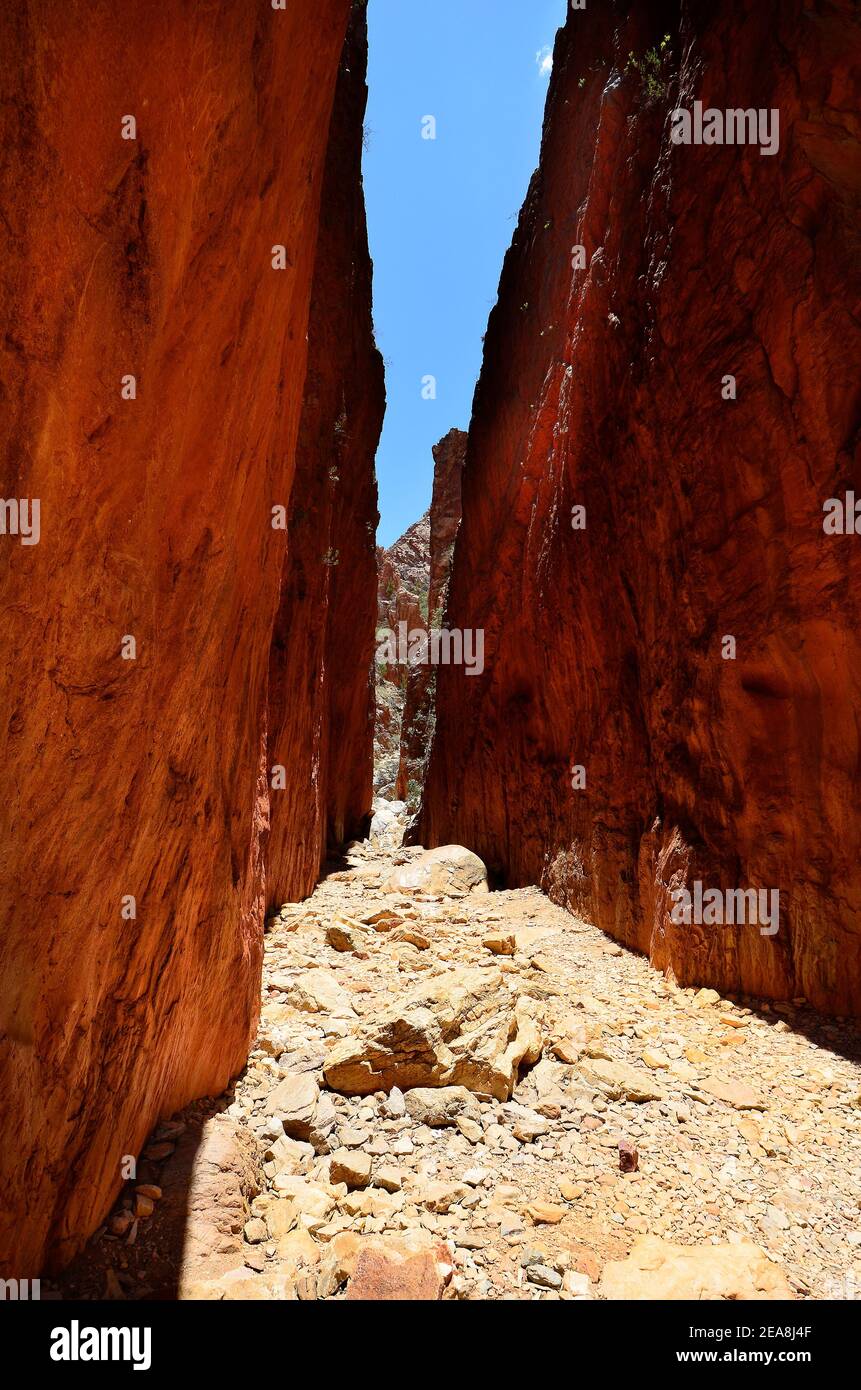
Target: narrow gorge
(474,916)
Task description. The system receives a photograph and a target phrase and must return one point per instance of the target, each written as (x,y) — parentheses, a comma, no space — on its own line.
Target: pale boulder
(658,1270)
(463,1028)
(350,1167)
(343,934)
(620,1081)
(450,871)
(440,1107)
(735,1093)
(318,992)
(305,1114)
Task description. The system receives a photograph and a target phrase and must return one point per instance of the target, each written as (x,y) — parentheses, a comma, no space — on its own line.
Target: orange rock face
(605,386)
(141,773)
(321,697)
(383,1276)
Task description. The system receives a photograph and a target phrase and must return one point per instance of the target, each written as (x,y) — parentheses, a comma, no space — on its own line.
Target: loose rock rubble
(433,1116)
(388,822)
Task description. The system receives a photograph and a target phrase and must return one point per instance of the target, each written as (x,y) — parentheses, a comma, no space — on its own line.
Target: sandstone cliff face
(403,576)
(321,694)
(143,777)
(602,388)
(417,724)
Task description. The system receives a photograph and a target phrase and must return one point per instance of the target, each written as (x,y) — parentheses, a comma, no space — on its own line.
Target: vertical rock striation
(604,387)
(145,778)
(321,694)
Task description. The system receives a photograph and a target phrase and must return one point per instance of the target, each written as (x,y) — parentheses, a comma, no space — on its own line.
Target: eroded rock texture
(321,694)
(143,777)
(417,723)
(602,387)
(403,571)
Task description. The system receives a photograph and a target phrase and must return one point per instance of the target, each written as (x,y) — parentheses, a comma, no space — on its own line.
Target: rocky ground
(478,1096)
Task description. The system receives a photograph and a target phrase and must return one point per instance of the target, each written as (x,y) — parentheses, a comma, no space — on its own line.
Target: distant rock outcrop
(403,578)
(417,724)
(412,584)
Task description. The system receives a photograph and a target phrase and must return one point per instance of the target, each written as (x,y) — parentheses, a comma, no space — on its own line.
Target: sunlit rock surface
(321,695)
(604,388)
(142,778)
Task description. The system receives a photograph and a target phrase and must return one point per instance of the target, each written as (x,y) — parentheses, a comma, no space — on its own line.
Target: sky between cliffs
(441,212)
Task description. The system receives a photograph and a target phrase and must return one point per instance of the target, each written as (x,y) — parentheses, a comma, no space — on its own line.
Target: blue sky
(441,212)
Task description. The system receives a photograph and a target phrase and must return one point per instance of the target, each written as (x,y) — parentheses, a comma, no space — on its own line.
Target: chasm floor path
(739,1124)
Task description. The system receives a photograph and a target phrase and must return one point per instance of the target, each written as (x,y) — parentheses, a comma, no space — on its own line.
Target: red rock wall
(321,698)
(602,387)
(141,777)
